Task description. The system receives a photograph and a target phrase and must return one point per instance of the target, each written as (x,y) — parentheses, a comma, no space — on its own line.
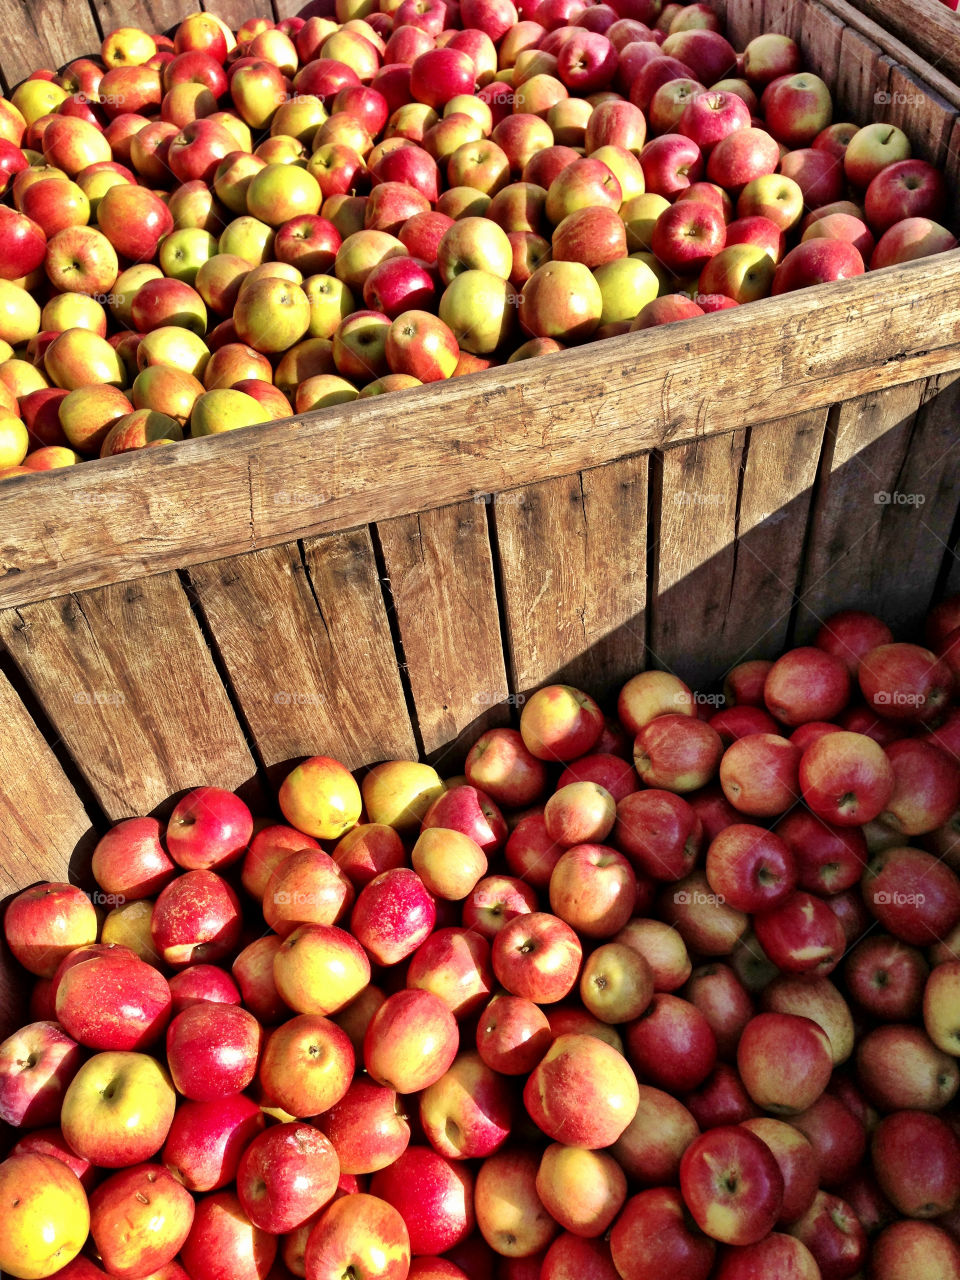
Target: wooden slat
(938,66)
(128,682)
(853,558)
(785,16)
(744,21)
(509,426)
(236,12)
(952,169)
(695,556)
(287,8)
(440,571)
(43,33)
(863,78)
(149,15)
(923,115)
(821,33)
(573,567)
(778,477)
(306,642)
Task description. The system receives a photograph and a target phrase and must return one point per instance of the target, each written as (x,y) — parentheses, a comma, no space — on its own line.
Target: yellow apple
(45,1215)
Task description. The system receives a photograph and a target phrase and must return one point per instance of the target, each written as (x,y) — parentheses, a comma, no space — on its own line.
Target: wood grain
(507,427)
(785,16)
(236,12)
(304,636)
(863,78)
(915,32)
(127,680)
(744,21)
(923,115)
(43,33)
(150,15)
(780,468)
(572,560)
(440,573)
(858,518)
(821,34)
(694,554)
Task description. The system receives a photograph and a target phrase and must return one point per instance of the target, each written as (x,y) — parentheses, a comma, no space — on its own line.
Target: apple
(411,1041)
(393,914)
(670,102)
(286,1176)
(196,917)
(871,149)
(741,156)
(908,1248)
(44,924)
(212,1050)
(202,984)
(781,1080)
(801,934)
(46,1215)
(671,163)
(537,956)
(593,889)
(750,868)
(797,1160)
(23,245)
(817,173)
(367,850)
(841,226)
(916,1158)
(647,71)
(617,984)
(615,123)
(118,1109)
(308,887)
(223,1243)
(320,968)
(817,262)
(320,798)
(677,753)
(732,1185)
(140,1218)
(513,1034)
(253,971)
(706,52)
(769,56)
(433,1195)
(777,1254)
(306,1065)
(360,1234)
(901,1069)
(846,778)
(367,1128)
(710,116)
(939,994)
(578,813)
(910,239)
(113,1002)
(687,235)
(652,1236)
(37,1064)
(500,765)
(448,862)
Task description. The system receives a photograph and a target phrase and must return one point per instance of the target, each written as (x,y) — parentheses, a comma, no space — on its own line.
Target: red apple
(732,1185)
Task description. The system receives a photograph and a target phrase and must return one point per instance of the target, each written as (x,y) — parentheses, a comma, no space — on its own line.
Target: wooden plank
(821,34)
(695,555)
(744,21)
(128,682)
(929,35)
(236,12)
(952,170)
(440,571)
(863,78)
(43,33)
(304,636)
(779,472)
(150,15)
(926,118)
(510,426)
(572,561)
(863,511)
(784,16)
(287,8)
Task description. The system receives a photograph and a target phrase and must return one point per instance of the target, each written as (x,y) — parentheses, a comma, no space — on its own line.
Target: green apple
(772,196)
(330,301)
(626,285)
(78,358)
(225,409)
(183,253)
(271,315)
(73,311)
(173,346)
(232,179)
(479,307)
(323,391)
(640,214)
(625,167)
(248,238)
(474,244)
(20,314)
(301,117)
(743,272)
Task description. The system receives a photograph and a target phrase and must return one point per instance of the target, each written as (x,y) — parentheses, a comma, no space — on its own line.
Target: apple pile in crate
(669,996)
(213,231)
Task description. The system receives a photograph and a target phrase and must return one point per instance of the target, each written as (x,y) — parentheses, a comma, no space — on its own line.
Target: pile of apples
(666,996)
(213,230)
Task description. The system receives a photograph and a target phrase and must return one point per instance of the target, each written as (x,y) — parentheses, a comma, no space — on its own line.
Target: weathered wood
(149,15)
(127,680)
(785,16)
(43,33)
(573,567)
(506,427)
(921,34)
(744,21)
(779,472)
(863,510)
(236,12)
(304,636)
(952,170)
(923,115)
(863,78)
(821,33)
(694,556)
(287,8)
(440,572)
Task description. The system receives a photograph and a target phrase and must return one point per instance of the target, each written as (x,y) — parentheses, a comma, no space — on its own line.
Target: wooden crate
(386,578)
(925,26)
